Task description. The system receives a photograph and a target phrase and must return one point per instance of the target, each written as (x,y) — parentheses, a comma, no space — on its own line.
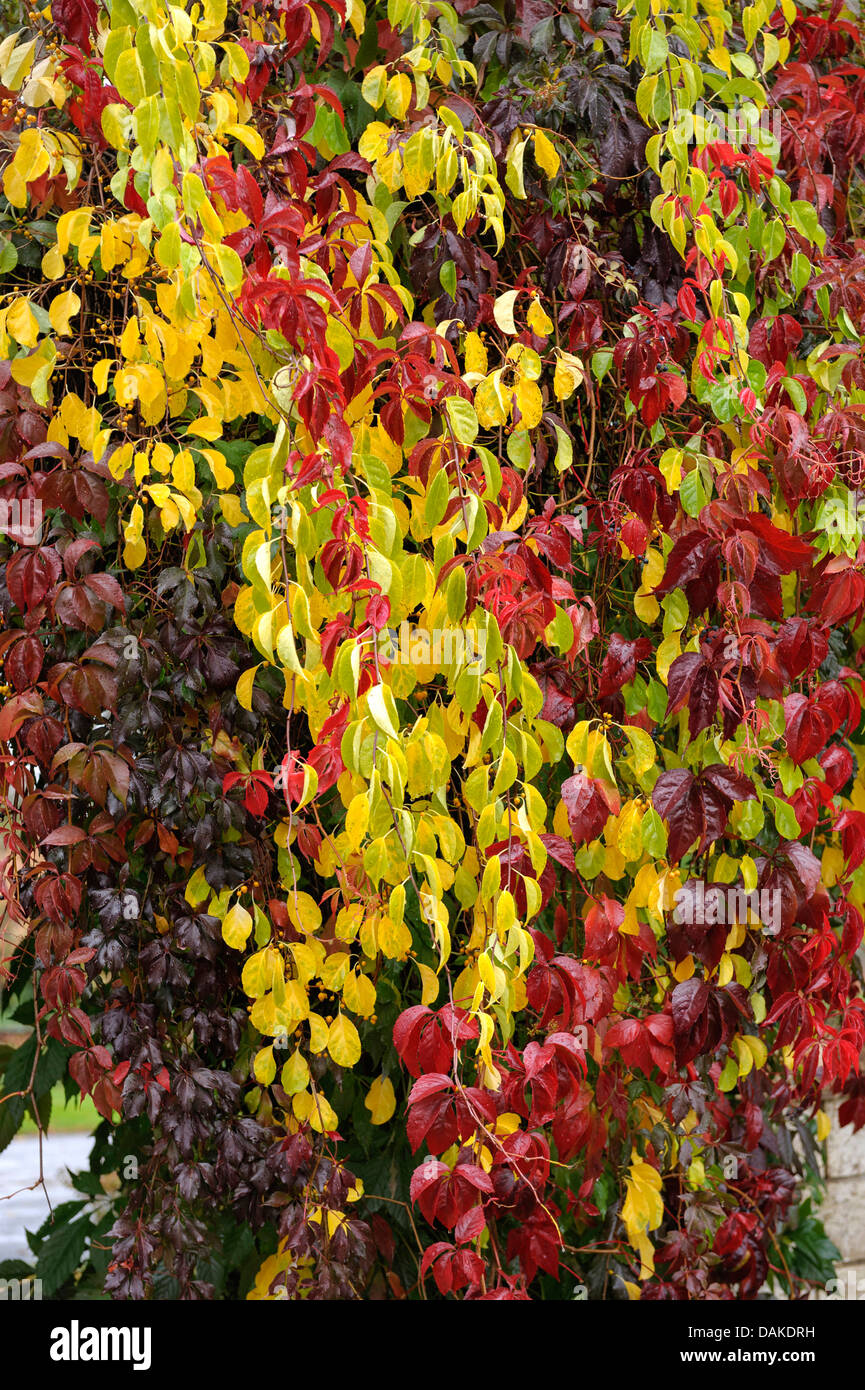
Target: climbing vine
(432,596)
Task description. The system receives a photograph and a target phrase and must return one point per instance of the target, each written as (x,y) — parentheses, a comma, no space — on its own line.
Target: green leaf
(602,360)
(436,501)
(692,491)
(654,834)
(462,419)
(806,220)
(800,271)
(565,451)
(60,1255)
(785,819)
(654,48)
(448,279)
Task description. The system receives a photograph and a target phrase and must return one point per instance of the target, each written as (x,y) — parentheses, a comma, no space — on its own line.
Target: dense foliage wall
(431,587)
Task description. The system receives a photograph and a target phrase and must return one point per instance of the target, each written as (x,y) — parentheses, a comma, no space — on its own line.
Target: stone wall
(843,1211)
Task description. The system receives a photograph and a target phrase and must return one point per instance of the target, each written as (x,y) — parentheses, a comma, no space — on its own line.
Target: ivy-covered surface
(431,587)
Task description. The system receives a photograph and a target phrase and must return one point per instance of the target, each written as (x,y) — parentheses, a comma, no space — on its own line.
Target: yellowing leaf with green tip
(236,927)
(303,912)
(295,1074)
(323,1119)
(643,751)
(382,710)
(262,971)
(197,889)
(264,1066)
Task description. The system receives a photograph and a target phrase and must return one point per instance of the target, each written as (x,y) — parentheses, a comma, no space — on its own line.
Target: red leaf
(66,835)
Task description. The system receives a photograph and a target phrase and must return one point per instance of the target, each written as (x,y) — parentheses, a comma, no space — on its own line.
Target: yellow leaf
(197,889)
(304,912)
(380,1100)
(100,374)
(53,264)
(263,971)
(245,684)
(30,163)
(322,1117)
(476,354)
(359,994)
(183,471)
(643,751)
(264,1066)
(398,95)
(374,140)
(642,1211)
(343,1041)
(134,553)
(684,970)
(546,154)
(374,86)
(530,402)
(503,311)
(207,428)
(538,320)
(430,984)
(222,474)
(569,374)
(61,310)
(666,654)
(721,59)
(394,941)
(236,927)
(232,509)
(357,820)
(317,1033)
(21,322)
(629,839)
(248,137)
(295,1074)
(492,405)
(381,707)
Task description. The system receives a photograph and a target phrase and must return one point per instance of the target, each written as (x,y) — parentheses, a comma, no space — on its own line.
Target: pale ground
(19,1166)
